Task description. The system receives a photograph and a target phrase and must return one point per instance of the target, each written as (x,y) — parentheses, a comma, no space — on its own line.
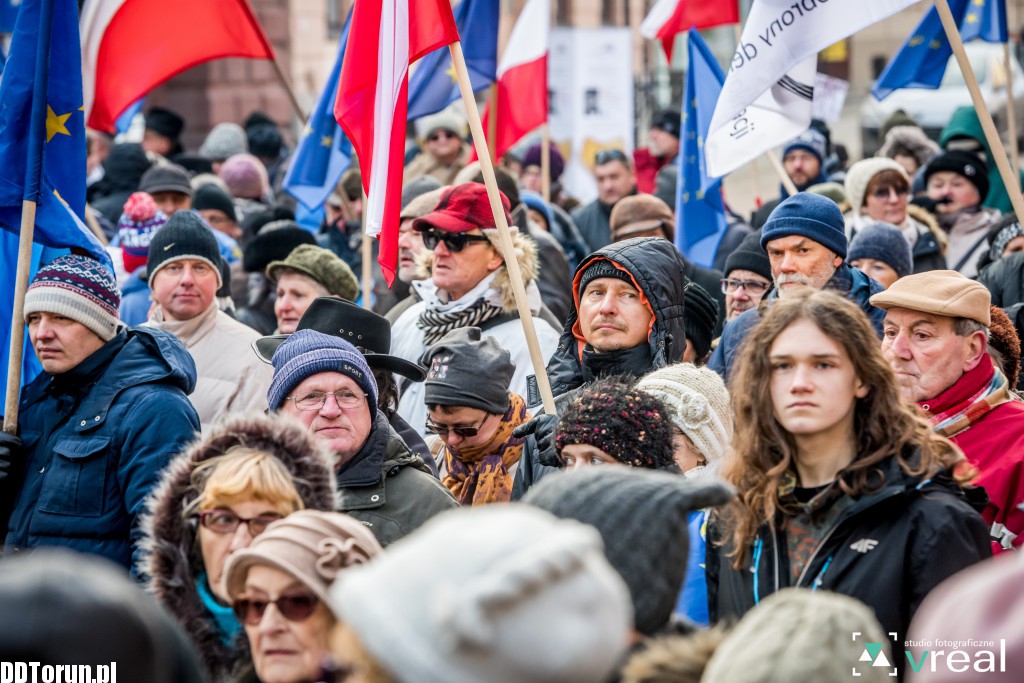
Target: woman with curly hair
(842,485)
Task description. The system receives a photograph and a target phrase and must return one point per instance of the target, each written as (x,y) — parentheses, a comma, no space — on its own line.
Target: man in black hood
(627,319)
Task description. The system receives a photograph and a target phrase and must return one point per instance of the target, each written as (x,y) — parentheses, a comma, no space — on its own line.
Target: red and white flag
(670,17)
(131,46)
(522,78)
(385,37)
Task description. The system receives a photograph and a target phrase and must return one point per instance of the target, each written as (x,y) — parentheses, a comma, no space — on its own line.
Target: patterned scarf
(436,324)
(480,474)
(963,415)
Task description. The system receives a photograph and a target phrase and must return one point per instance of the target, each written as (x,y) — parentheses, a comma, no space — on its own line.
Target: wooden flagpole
(288,89)
(545,162)
(504,235)
(1011,181)
(492,123)
(1011,112)
(17,347)
(787,182)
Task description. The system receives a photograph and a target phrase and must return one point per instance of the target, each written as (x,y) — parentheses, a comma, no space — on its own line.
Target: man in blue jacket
(98,425)
(805,239)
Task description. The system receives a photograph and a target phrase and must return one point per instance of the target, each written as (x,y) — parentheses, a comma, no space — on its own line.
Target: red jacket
(647,166)
(993,442)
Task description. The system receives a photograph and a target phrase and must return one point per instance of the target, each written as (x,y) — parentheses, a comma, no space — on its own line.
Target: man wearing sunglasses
(443,150)
(469,287)
(616,179)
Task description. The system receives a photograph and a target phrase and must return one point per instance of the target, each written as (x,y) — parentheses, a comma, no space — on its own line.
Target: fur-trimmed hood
(925,218)
(913,139)
(172,564)
(675,658)
(526,255)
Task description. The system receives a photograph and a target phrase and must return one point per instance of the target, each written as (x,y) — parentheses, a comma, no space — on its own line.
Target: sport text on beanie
(307,353)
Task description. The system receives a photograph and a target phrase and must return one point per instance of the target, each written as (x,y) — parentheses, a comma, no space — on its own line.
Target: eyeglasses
(453,241)
(226,521)
(752,286)
(884,192)
(295,607)
(608,155)
(315,400)
(438,134)
(465,432)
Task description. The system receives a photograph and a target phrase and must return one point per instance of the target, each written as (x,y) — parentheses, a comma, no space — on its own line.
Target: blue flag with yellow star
(432,87)
(922,59)
(324,152)
(700,216)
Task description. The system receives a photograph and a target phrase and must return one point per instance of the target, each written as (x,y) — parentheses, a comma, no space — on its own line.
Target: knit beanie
(642,518)
(802,636)
(500,593)
(245,176)
(466,370)
(210,196)
(165,122)
(185,235)
(1001,234)
(898,118)
(698,404)
(883,242)
(420,206)
(446,119)
(309,545)
(79,288)
(308,352)
(811,216)
(224,141)
(265,140)
(557,161)
(668,121)
(830,190)
(962,163)
(859,176)
(418,187)
(749,256)
(324,266)
(602,267)
(628,424)
(1003,338)
(811,141)
(699,318)
(138,223)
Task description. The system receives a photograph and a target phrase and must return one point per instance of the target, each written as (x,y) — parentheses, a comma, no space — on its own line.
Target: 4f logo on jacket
(864,545)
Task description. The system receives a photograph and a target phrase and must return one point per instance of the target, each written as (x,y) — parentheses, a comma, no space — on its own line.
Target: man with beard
(803,159)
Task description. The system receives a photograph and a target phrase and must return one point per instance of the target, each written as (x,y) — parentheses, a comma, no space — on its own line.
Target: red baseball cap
(463,208)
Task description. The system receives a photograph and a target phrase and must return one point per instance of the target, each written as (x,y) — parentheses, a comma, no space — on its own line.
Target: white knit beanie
(860,174)
(698,403)
(499,593)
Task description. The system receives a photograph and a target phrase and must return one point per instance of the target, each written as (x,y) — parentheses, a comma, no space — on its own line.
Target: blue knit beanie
(811,141)
(883,242)
(811,215)
(307,353)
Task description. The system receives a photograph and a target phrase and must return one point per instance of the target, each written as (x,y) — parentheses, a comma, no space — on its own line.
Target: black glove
(543,429)
(10,450)
(929,204)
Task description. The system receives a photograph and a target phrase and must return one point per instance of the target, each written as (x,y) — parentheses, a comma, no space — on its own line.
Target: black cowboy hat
(367,331)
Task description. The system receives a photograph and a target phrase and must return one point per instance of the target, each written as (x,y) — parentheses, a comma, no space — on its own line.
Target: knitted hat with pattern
(698,404)
(628,424)
(79,288)
(139,222)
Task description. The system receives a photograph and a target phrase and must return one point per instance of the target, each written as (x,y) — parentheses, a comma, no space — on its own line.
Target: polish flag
(131,46)
(523,78)
(669,17)
(384,38)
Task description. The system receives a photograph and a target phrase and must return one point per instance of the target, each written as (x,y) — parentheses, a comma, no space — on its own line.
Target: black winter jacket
(888,550)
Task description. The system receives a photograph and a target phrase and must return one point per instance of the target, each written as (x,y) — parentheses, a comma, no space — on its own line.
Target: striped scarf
(436,324)
(963,415)
(480,474)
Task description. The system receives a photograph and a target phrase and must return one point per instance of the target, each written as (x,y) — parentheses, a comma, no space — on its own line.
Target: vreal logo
(955,656)
(874,655)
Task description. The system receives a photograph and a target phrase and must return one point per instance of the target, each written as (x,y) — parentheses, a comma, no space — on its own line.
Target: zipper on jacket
(758,547)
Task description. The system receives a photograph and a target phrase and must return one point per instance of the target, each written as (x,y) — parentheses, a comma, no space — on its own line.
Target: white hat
(698,404)
(503,594)
(859,176)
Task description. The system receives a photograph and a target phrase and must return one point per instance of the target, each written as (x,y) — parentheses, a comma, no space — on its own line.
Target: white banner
(777,36)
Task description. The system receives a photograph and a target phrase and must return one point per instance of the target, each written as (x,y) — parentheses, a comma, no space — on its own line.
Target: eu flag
(921,61)
(42,158)
(8,14)
(432,87)
(324,152)
(700,216)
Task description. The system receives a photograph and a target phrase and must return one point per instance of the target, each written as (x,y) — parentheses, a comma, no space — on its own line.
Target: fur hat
(910,140)
(808,215)
(165,122)
(698,404)
(1003,338)
(859,176)
(79,288)
(446,119)
(502,593)
(642,517)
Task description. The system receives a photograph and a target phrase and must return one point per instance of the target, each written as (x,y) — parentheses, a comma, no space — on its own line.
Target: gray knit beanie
(642,517)
(467,370)
(883,242)
(225,140)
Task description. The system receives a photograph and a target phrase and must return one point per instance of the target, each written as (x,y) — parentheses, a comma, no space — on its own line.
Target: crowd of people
(265,473)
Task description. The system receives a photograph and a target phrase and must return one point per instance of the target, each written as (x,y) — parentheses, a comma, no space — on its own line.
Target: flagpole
(33,174)
(1011,111)
(288,89)
(367,259)
(1011,181)
(545,162)
(504,235)
(787,182)
(492,122)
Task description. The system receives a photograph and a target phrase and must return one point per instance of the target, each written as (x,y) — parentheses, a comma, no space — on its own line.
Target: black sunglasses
(454,241)
(296,607)
(465,432)
(608,155)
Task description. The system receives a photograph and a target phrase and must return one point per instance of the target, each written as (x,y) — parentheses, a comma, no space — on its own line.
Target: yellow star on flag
(451,72)
(327,140)
(55,124)
(972,18)
(916,40)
